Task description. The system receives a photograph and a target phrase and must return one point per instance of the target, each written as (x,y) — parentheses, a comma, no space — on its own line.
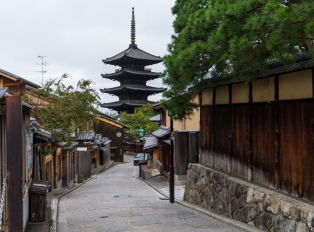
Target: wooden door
(38,207)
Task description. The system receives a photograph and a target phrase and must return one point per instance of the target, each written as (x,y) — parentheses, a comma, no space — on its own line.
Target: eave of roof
(136,103)
(17,78)
(133,53)
(148,74)
(113,122)
(302,62)
(155,118)
(143,88)
(150,142)
(162,132)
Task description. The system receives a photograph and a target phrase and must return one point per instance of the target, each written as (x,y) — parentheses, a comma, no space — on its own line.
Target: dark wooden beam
(14,141)
(277,140)
(230,140)
(250,157)
(213,125)
(192,147)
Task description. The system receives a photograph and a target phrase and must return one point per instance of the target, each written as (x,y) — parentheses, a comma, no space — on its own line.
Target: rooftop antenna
(42,69)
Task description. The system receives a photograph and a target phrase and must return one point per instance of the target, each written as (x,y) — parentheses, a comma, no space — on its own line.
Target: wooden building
(263,130)
(15,150)
(92,151)
(114,131)
(133,76)
(16,160)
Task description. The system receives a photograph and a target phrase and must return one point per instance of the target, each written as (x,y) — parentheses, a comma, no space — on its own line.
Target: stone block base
(179,179)
(243,201)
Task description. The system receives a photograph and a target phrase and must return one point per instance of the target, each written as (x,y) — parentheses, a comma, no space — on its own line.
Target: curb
(55,200)
(197,208)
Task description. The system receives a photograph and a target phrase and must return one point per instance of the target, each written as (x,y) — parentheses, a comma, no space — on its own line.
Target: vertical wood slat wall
(272,140)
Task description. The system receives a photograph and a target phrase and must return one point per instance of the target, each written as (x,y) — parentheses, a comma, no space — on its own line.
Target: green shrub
(81,179)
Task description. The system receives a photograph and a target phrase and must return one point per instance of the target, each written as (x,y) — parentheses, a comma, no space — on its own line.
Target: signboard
(29,152)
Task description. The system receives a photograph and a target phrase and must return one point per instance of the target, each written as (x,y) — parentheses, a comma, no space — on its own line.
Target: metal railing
(2,199)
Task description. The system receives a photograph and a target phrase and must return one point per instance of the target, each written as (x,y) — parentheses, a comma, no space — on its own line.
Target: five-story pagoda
(132,75)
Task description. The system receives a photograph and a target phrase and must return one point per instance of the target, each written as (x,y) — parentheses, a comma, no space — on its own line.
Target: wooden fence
(185,150)
(84,163)
(268,143)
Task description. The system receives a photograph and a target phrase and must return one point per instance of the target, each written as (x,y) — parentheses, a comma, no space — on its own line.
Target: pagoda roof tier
(138,88)
(129,103)
(147,75)
(133,55)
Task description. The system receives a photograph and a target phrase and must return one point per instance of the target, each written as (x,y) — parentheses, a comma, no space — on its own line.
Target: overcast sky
(76,35)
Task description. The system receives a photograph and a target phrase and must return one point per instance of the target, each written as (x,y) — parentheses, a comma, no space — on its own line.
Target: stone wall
(246,202)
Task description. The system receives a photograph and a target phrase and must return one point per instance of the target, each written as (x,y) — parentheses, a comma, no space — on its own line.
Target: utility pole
(42,69)
(171,168)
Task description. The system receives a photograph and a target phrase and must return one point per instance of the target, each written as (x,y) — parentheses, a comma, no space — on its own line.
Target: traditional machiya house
(93,150)
(186,140)
(16,160)
(132,75)
(262,130)
(109,127)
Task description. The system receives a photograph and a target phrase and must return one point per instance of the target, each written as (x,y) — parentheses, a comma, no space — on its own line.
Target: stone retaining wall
(246,202)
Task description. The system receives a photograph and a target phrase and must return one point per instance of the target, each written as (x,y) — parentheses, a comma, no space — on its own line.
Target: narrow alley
(117,201)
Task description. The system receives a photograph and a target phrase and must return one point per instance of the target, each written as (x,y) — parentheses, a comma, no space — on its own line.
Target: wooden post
(230,140)
(213,126)
(250,157)
(277,140)
(200,158)
(14,139)
(192,147)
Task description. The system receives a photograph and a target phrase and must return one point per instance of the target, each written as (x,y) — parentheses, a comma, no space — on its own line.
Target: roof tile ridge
(149,53)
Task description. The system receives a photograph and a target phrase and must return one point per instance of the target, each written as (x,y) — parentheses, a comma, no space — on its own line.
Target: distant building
(133,91)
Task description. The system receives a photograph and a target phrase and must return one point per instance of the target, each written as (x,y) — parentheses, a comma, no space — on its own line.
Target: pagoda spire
(133,30)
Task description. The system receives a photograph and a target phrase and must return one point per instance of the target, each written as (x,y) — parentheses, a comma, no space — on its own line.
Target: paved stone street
(116,201)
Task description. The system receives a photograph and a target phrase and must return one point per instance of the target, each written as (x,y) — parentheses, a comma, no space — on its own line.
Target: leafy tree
(140,118)
(214,38)
(71,108)
(147,110)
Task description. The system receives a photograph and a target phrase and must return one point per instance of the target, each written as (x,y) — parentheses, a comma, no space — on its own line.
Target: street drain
(163,199)
(123,196)
(104,217)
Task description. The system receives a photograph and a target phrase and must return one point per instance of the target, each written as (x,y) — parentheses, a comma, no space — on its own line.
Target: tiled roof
(46,135)
(162,132)
(156,118)
(134,88)
(60,143)
(136,103)
(20,78)
(71,146)
(126,73)
(134,53)
(106,142)
(84,135)
(150,142)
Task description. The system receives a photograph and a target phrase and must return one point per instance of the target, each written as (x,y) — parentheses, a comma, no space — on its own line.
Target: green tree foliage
(214,38)
(70,109)
(140,118)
